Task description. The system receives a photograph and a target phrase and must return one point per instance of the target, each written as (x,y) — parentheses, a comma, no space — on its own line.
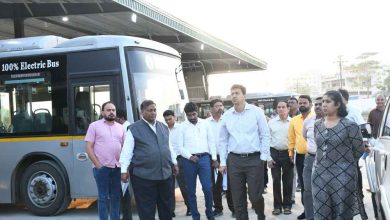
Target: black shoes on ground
(217,213)
(287,211)
(276,212)
(302,216)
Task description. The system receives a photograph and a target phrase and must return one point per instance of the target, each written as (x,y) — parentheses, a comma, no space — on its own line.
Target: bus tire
(44,188)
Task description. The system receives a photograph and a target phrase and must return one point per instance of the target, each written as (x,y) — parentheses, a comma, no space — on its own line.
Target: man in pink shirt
(105,139)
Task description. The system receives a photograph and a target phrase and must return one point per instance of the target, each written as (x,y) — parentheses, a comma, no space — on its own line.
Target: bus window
(5,112)
(158,77)
(29,103)
(88,104)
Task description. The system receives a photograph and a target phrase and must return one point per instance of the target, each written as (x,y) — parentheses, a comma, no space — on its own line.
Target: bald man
(375,116)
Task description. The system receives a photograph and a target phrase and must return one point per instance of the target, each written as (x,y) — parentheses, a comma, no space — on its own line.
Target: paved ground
(8,212)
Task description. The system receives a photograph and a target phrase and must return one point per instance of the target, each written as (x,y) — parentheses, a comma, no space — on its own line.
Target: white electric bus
(52,88)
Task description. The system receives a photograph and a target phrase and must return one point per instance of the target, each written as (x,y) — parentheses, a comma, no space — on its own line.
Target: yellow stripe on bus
(55,138)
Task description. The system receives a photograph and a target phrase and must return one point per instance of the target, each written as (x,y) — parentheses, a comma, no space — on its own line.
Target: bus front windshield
(158,77)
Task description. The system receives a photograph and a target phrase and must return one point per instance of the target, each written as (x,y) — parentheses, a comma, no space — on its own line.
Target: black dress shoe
(211,218)
(188,213)
(302,216)
(277,212)
(217,213)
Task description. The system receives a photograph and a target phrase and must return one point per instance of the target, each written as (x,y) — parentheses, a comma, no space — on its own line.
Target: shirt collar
(174,126)
(107,122)
(379,109)
(278,118)
(154,124)
(189,123)
(309,115)
(212,119)
(247,107)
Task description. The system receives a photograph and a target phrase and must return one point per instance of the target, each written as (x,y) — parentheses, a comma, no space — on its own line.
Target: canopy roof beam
(31,10)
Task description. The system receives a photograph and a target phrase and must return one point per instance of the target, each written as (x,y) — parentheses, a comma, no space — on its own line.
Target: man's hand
(125,177)
(98,166)
(292,159)
(222,169)
(271,163)
(175,170)
(194,159)
(215,164)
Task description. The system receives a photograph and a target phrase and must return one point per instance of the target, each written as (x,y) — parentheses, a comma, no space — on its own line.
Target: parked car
(377,165)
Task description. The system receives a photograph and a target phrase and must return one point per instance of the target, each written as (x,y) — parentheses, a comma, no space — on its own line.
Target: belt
(246,154)
(272,148)
(201,154)
(311,154)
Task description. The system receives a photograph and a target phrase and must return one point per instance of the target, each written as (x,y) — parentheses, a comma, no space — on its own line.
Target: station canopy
(202,54)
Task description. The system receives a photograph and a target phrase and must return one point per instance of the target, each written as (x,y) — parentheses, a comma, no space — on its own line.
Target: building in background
(308,83)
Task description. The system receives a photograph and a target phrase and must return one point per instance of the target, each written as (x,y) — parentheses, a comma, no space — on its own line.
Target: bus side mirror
(366,130)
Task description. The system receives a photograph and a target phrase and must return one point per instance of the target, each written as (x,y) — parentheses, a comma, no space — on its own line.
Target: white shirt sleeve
(127,152)
(355,115)
(264,136)
(211,141)
(173,136)
(173,153)
(223,143)
(180,143)
(305,128)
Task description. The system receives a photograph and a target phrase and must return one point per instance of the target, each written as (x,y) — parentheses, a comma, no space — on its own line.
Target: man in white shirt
(355,116)
(217,177)
(244,146)
(308,135)
(121,118)
(282,169)
(196,143)
(173,126)
(353,113)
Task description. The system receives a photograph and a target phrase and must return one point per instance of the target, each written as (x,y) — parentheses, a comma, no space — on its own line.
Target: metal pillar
(19,27)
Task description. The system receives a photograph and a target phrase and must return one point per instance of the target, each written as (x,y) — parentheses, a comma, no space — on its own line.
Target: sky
(293,37)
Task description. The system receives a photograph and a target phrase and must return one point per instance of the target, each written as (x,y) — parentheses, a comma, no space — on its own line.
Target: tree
(297,85)
(385,84)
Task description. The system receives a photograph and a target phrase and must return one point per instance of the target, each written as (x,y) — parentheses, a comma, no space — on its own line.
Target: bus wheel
(44,188)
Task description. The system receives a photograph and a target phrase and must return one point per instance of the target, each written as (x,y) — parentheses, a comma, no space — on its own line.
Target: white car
(377,164)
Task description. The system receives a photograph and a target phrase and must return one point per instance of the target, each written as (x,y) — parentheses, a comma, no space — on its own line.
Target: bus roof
(53,44)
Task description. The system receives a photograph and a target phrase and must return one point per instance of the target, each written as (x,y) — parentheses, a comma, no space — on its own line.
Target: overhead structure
(202,54)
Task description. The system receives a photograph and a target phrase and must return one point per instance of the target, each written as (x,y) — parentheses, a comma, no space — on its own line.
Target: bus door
(87,96)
